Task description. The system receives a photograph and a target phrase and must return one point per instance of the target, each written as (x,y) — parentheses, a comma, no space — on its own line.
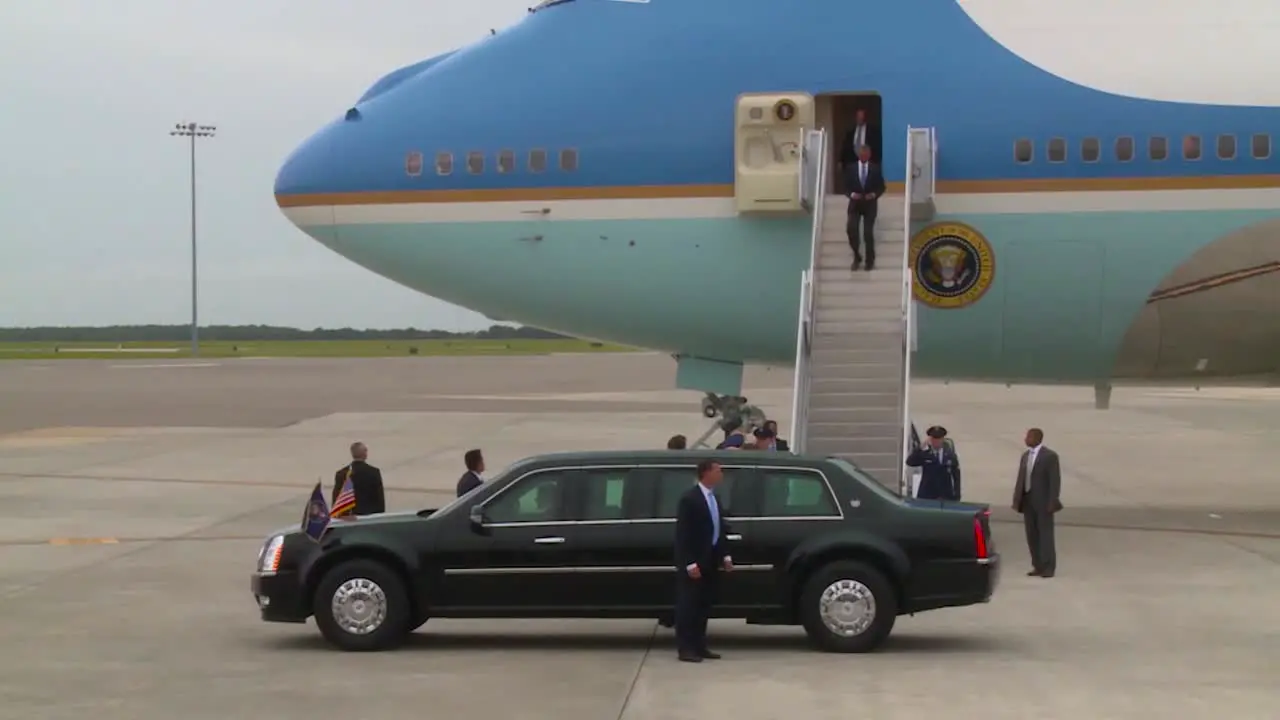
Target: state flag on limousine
(315,517)
(345,503)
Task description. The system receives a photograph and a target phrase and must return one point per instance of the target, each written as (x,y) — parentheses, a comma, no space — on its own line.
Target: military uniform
(939,469)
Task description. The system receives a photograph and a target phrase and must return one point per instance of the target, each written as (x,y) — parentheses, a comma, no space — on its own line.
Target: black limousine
(815,542)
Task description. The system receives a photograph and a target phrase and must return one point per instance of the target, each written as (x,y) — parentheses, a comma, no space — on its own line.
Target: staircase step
(885,397)
(881,429)
(830,354)
(874,381)
(856,327)
(859,310)
(856,295)
(839,373)
(847,420)
(847,283)
(825,346)
(879,276)
(883,452)
(822,368)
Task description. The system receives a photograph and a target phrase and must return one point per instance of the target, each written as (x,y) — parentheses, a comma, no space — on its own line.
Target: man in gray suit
(1036,497)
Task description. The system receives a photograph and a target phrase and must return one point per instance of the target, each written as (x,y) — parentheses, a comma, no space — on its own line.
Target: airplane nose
(308,169)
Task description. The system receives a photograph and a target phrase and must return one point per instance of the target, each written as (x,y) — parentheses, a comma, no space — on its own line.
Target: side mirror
(477,517)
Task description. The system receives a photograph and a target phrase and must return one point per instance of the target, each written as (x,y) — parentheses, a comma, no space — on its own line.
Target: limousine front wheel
(848,607)
(362,605)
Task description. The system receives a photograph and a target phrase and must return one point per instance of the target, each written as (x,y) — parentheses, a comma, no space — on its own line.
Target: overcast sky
(94,210)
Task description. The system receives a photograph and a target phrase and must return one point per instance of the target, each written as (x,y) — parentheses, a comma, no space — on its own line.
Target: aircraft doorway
(837,113)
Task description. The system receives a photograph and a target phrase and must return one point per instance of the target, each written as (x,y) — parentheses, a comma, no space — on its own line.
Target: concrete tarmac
(137,493)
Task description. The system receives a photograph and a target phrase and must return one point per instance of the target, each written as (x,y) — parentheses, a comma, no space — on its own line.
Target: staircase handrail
(808,278)
(908,277)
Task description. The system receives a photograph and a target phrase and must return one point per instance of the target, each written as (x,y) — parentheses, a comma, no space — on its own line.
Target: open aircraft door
(769,139)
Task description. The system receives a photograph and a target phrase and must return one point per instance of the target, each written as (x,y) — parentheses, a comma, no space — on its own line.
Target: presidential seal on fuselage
(953,265)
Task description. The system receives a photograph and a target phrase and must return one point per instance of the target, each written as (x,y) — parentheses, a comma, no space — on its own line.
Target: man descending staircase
(856,363)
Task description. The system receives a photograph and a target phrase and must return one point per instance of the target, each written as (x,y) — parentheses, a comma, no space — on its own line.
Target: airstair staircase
(856,329)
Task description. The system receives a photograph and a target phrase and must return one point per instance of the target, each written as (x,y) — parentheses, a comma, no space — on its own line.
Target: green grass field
(297,348)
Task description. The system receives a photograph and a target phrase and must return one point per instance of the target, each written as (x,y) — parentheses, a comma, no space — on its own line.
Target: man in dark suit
(1036,496)
(865,185)
(700,557)
(366,480)
(939,467)
(778,443)
(474,476)
(862,133)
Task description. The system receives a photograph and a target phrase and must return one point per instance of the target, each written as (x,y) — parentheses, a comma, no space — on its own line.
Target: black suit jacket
(367,482)
(781,445)
(468,482)
(874,185)
(694,530)
(1046,484)
(849,152)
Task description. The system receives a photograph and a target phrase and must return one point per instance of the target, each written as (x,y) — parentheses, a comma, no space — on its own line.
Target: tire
(844,577)
(362,579)
(418,622)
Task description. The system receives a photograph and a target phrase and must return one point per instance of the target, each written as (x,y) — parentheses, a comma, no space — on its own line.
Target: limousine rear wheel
(848,607)
(362,605)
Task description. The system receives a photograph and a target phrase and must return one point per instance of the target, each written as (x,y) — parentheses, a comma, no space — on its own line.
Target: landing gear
(1102,396)
(734,412)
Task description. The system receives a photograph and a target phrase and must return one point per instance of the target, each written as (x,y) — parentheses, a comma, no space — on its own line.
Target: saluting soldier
(939,467)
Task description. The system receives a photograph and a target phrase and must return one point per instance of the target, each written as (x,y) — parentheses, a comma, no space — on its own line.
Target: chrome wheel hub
(847,608)
(359,606)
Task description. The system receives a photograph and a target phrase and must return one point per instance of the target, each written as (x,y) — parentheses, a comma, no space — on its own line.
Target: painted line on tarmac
(157,366)
(81,542)
(302,487)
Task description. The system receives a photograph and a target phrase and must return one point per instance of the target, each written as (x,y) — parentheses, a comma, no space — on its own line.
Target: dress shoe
(1034,573)
(708,655)
(857,264)
(689,657)
(1045,575)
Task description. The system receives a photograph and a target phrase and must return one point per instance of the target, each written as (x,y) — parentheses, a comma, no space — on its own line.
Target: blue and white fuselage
(576,172)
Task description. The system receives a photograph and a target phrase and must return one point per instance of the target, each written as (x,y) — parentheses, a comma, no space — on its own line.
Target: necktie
(715,517)
(862,174)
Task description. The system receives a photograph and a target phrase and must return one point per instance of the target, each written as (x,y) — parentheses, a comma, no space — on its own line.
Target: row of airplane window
(505,162)
(1125,149)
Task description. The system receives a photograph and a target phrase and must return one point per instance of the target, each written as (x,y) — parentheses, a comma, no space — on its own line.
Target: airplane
(581,171)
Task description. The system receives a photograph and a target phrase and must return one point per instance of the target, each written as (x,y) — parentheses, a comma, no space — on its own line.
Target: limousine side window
(674,482)
(614,494)
(537,498)
(796,493)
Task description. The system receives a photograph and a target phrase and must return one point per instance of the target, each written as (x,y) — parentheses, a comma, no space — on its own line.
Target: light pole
(193,130)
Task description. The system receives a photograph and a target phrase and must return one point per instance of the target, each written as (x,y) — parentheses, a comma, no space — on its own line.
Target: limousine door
(521,559)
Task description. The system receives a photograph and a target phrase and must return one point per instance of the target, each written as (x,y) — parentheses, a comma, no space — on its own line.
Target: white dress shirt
(1031,462)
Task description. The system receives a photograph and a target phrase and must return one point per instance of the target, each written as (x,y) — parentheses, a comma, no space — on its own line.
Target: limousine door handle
(549,540)
(734,536)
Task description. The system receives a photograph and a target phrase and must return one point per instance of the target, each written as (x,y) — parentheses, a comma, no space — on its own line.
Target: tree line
(258,333)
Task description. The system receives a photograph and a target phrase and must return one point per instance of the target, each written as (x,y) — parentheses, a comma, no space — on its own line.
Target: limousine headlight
(269,555)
